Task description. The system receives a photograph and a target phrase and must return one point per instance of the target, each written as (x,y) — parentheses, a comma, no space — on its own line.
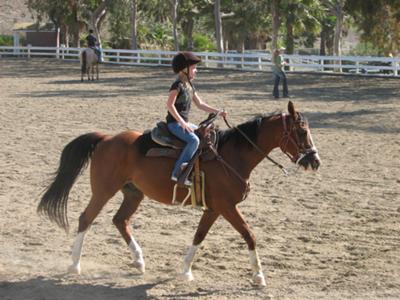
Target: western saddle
(171,146)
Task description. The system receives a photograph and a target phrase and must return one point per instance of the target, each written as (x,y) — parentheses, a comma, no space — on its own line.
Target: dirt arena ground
(334,234)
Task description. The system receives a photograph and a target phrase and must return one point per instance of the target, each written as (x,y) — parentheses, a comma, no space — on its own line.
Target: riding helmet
(183,60)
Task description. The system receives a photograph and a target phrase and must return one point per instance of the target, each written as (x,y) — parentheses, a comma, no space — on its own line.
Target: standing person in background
(279,73)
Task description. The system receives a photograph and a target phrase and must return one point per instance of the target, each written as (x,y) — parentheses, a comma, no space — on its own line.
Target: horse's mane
(249,128)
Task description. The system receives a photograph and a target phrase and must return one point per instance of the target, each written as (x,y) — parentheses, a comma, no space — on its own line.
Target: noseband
(287,138)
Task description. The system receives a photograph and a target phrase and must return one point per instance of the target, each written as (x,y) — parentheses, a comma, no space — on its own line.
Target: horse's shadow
(42,288)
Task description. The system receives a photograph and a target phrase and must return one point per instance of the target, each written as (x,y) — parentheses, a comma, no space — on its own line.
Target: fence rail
(366,65)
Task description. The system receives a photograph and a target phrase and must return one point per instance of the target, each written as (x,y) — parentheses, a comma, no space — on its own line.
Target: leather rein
(285,135)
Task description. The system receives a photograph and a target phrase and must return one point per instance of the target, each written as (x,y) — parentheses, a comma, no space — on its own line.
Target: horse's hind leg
(235,218)
(132,198)
(94,207)
(92,67)
(97,71)
(207,220)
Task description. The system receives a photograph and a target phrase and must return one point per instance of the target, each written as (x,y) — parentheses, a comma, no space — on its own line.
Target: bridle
(257,148)
(287,138)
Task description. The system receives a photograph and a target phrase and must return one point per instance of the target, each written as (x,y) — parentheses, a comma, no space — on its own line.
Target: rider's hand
(186,127)
(223,113)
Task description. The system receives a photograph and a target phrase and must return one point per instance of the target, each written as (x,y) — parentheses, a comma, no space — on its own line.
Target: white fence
(381,66)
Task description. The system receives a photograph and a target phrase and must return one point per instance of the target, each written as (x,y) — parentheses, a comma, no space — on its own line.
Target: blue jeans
(192,143)
(278,76)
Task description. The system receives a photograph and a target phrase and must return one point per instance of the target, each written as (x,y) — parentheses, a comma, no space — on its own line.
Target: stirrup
(186,197)
(187,183)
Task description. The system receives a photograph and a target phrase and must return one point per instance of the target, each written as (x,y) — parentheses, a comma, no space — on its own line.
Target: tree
(336,9)
(275,23)
(378,22)
(218,26)
(133,25)
(175,21)
(301,21)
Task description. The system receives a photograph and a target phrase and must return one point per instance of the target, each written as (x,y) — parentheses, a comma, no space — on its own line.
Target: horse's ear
(291,109)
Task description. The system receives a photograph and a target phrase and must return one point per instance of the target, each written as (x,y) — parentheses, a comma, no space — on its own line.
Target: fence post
(62,51)
(259,63)
(29,50)
(118,57)
(357,67)
(290,68)
(395,64)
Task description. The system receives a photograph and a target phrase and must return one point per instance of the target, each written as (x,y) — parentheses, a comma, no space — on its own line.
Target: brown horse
(118,163)
(89,62)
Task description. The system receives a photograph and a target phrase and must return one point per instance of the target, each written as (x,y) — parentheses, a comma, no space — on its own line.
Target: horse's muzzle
(310,159)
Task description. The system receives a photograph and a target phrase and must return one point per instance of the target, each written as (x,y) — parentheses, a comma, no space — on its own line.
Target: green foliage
(6,40)
(202,42)
(366,49)
(119,25)
(246,24)
(156,35)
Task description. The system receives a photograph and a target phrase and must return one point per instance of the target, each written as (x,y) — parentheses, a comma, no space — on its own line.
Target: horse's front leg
(207,220)
(235,218)
(97,71)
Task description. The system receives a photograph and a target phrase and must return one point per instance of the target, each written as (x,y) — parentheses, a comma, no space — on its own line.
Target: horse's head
(297,141)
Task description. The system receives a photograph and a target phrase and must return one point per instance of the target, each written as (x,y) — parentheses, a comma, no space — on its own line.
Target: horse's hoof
(258,279)
(140,266)
(187,276)
(74,269)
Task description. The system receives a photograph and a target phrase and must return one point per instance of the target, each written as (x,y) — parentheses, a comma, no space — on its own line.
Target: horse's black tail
(84,62)
(74,159)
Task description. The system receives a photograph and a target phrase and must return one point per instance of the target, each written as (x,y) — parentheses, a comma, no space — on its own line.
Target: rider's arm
(204,106)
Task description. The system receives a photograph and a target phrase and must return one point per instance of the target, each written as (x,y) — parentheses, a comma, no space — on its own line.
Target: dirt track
(334,234)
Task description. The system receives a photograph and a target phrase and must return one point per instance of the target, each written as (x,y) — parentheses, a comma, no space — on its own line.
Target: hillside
(13,14)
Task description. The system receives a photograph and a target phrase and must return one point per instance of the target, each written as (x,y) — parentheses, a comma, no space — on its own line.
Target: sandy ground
(333,234)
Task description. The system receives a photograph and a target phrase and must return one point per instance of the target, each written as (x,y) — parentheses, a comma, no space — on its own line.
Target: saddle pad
(163,152)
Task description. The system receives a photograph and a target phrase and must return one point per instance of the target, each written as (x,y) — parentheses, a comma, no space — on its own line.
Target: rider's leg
(192,143)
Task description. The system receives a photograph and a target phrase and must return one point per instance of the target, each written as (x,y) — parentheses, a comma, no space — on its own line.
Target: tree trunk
(338,28)
(133,25)
(275,23)
(218,26)
(289,38)
(322,45)
(175,21)
(95,17)
(189,32)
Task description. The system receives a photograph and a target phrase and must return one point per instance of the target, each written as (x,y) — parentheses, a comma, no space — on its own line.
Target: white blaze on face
(313,147)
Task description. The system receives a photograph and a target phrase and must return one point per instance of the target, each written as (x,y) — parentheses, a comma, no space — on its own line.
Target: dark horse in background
(89,63)
(118,164)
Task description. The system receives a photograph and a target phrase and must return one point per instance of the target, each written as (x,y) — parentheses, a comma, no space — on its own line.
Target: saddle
(168,145)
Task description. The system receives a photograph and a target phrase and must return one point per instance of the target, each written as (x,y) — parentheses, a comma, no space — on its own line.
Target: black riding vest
(91,41)
(183,101)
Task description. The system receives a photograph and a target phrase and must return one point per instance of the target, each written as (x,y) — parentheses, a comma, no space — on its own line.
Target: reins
(257,148)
